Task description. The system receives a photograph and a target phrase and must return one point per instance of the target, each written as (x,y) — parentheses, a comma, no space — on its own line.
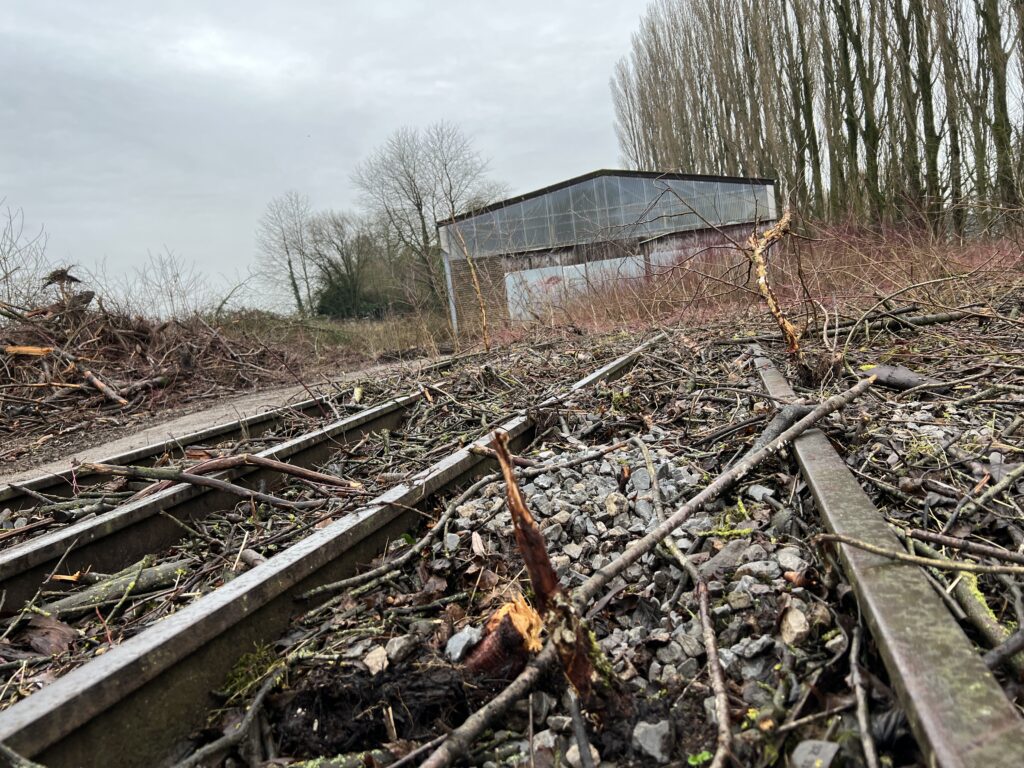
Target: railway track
(136,703)
(178,661)
(113,538)
(273,426)
(956,707)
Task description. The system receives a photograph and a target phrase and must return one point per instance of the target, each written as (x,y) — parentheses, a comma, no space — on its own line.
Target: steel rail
(134,704)
(115,539)
(956,707)
(64,483)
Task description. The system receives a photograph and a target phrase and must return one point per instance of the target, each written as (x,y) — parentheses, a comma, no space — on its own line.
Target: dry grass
(320,340)
(839,269)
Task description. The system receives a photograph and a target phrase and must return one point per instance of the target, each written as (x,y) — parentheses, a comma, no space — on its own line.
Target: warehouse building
(537,250)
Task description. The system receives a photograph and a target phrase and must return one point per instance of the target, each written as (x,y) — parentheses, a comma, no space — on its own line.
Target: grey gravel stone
(553,532)
(759,492)
(761,569)
(461,642)
(399,648)
(572,755)
(726,560)
(573,550)
(790,560)
(691,646)
(670,654)
(756,694)
(716,588)
(654,739)
(739,601)
(451,541)
(654,671)
(21,522)
(544,482)
(750,647)
(689,668)
(752,553)
(645,508)
(617,533)
(641,479)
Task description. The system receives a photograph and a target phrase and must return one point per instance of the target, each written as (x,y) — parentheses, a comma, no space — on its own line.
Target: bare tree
(342,247)
(282,239)
(23,260)
(417,177)
(883,110)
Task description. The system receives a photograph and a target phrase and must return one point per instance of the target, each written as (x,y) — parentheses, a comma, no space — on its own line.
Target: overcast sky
(128,127)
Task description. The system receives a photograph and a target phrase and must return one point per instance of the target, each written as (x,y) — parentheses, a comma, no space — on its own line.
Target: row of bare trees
(883,110)
(345,263)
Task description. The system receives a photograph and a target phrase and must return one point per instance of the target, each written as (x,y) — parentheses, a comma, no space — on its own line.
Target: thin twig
(949,565)
(867,743)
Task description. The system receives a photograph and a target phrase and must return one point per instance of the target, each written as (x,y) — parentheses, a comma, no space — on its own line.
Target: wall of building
(528,286)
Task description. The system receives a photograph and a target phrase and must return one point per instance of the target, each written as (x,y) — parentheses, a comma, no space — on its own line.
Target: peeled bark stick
(135,580)
(758,256)
(108,392)
(461,738)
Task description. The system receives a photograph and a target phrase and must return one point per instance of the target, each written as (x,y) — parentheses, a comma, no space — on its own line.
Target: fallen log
(134,579)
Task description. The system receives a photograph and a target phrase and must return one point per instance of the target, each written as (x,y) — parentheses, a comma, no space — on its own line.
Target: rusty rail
(133,705)
(957,709)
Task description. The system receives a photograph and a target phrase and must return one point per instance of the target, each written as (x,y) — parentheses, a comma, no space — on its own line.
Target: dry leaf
(477,542)
(526,621)
(376,660)
(48,635)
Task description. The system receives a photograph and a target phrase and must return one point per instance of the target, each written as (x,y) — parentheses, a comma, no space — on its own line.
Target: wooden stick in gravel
(723,746)
(460,739)
(436,529)
(867,742)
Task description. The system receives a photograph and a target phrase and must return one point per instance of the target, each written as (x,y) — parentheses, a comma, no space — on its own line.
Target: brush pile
(74,365)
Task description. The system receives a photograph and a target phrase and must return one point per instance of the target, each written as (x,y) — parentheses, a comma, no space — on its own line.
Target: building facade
(530,252)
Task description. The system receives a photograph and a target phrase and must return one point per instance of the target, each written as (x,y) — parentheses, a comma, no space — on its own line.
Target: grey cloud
(128,127)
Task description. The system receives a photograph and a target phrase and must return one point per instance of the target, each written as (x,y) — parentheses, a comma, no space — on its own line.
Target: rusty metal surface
(956,707)
(116,539)
(132,705)
(63,482)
